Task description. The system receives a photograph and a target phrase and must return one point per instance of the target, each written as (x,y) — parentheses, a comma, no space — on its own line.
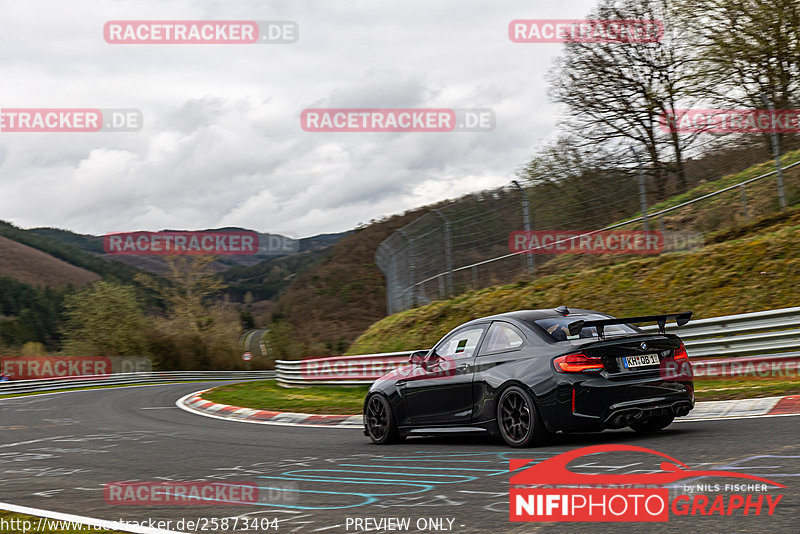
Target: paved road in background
(57,452)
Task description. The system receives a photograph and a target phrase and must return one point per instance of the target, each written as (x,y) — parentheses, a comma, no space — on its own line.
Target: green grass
(725,389)
(268,395)
(746,265)
(338,400)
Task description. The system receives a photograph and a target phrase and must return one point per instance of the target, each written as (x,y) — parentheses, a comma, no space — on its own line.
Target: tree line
(728,54)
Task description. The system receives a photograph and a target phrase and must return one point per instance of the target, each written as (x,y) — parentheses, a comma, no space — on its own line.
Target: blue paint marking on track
(415,478)
(404,474)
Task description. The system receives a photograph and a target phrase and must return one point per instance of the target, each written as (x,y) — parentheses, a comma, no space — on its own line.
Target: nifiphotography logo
(549,491)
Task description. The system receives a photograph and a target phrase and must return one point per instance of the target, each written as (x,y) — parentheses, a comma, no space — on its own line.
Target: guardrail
(717,346)
(340,370)
(773,332)
(53,384)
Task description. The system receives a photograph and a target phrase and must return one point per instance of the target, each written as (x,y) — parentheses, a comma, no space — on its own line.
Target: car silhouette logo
(554,471)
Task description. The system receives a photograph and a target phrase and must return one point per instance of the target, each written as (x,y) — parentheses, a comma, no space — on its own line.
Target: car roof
(530,316)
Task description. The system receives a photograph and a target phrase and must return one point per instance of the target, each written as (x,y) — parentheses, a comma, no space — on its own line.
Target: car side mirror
(418,357)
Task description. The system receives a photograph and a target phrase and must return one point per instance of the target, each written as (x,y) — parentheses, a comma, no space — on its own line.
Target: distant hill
(270,277)
(88,243)
(156,264)
(31,266)
(57,246)
(39,266)
(337,298)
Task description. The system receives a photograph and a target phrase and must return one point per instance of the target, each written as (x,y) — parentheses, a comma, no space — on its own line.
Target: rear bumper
(596,403)
(622,416)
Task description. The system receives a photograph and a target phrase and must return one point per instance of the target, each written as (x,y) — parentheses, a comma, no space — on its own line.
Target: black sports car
(525,375)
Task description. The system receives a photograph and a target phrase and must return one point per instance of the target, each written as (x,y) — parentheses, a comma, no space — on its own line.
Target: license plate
(640,361)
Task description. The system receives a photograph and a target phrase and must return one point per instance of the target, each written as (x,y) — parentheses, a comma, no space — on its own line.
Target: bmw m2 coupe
(525,375)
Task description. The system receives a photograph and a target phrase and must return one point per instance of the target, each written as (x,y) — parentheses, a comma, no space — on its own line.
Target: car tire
(653,424)
(379,421)
(518,420)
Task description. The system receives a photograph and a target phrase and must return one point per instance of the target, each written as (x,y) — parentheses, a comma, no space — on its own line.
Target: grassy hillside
(34,267)
(68,253)
(749,268)
(707,216)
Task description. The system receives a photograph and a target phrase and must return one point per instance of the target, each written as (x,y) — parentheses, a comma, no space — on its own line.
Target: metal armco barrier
(340,370)
(52,384)
(772,333)
(748,367)
(718,346)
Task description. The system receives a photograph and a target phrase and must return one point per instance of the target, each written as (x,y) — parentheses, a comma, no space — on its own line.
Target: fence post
(642,190)
(387,263)
(776,152)
(413,286)
(526,221)
(448,251)
(744,203)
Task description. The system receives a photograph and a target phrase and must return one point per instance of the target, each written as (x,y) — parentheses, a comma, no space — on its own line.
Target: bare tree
(616,92)
(748,48)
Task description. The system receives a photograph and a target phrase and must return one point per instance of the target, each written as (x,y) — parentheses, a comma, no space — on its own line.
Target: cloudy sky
(222,143)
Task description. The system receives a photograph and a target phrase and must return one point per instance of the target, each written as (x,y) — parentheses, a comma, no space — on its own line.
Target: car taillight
(681,354)
(578,363)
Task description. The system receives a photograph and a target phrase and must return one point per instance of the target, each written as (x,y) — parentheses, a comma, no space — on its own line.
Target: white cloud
(222,143)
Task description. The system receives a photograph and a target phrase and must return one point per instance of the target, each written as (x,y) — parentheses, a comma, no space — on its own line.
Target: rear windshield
(557,327)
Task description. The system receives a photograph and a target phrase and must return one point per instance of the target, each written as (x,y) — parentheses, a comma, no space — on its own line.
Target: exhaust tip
(680,411)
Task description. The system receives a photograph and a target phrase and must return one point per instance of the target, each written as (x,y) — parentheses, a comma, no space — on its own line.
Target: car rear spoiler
(680,318)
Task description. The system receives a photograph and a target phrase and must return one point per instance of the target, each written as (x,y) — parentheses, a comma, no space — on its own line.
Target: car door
(439,392)
(504,342)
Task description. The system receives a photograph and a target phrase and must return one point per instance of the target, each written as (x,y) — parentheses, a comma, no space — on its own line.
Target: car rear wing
(680,318)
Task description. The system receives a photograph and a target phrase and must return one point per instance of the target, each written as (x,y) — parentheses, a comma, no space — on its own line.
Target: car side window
(501,337)
(461,344)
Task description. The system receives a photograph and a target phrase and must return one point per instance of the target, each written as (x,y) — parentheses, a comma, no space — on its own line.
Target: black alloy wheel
(379,421)
(518,420)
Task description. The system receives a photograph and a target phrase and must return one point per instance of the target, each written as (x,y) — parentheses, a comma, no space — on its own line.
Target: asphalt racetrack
(57,452)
